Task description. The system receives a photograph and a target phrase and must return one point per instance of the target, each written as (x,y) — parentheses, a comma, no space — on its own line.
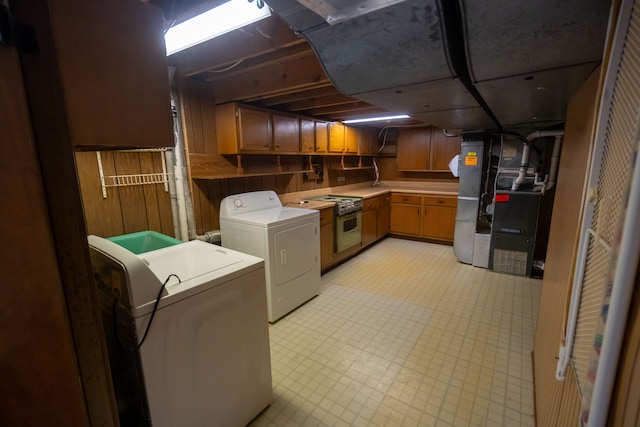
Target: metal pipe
(179,171)
(172,196)
(555,161)
(522,173)
(524,164)
(183,206)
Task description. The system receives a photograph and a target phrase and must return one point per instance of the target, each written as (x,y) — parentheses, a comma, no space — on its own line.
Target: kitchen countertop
(366,190)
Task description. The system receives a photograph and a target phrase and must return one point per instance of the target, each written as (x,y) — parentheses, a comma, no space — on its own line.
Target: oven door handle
(350,215)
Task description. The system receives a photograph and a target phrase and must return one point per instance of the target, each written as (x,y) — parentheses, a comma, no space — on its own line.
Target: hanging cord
(375,165)
(153,313)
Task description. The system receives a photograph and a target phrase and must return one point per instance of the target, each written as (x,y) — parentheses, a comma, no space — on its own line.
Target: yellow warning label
(471,161)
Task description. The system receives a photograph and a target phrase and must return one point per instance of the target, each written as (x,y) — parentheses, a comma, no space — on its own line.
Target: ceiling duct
(467,65)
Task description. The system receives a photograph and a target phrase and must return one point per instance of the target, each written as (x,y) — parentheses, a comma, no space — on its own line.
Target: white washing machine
(288,239)
(206,358)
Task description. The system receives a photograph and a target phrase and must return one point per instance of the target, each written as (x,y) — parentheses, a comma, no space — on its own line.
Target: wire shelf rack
(125,180)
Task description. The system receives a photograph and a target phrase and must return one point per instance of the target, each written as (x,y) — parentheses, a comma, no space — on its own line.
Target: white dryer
(288,239)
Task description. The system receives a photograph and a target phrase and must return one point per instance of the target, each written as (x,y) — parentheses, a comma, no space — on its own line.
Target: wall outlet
(341,179)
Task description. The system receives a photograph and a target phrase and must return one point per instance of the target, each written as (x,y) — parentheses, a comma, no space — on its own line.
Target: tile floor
(404,335)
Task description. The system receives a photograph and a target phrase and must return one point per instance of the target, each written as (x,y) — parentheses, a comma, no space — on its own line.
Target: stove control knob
(237,203)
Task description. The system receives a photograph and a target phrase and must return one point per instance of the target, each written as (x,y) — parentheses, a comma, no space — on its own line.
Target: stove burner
(344,204)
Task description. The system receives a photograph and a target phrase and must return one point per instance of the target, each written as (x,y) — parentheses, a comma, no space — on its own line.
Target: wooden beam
(319,102)
(253,40)
(288,53)
(284,77)
(323,89)
(358,106)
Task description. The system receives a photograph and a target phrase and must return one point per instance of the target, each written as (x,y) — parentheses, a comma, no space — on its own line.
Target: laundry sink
(144,241)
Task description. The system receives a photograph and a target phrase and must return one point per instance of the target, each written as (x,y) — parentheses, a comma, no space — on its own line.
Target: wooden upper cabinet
(414,149)
(336,137)
(322,137)
(286,133)
(307,136)
(367,143)
(240,129)
(254,130)
(443,149)
(113,68)
(351,140)
(425,149)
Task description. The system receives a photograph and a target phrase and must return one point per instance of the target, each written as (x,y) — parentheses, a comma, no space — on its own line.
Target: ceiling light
(376,119)
(213,23)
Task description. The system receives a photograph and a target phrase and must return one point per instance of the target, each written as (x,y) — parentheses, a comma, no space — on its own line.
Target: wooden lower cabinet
(384,211)
(439,217)
(375,219)
(427,217)
(369,224)
(405,214)
(326,237)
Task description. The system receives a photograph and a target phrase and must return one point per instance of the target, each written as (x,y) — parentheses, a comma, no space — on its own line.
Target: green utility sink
(144,241)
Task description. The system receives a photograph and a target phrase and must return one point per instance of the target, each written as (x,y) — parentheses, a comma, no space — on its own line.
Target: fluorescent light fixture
(213,23)
(376,119)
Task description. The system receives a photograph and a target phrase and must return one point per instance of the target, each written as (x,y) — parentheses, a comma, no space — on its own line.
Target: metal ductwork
(456,64)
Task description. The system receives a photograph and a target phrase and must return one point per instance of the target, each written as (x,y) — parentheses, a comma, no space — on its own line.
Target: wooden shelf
(353,168)
(246,174)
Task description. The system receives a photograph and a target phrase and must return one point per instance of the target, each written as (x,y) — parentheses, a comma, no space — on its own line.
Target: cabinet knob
(440,202)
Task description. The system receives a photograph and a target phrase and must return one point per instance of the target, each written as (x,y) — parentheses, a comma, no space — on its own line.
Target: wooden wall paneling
(201,212)
(163,198)
(39,363)
(132,198)
(208,118)
(389,171)
(103,217)
(256,183)
(187,117)
(68,233)
(195,100)
(556,401)
(269,182)
(191,115)
(236,186)
(150,191)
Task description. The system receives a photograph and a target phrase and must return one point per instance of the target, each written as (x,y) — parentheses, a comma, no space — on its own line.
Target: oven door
(348,230)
